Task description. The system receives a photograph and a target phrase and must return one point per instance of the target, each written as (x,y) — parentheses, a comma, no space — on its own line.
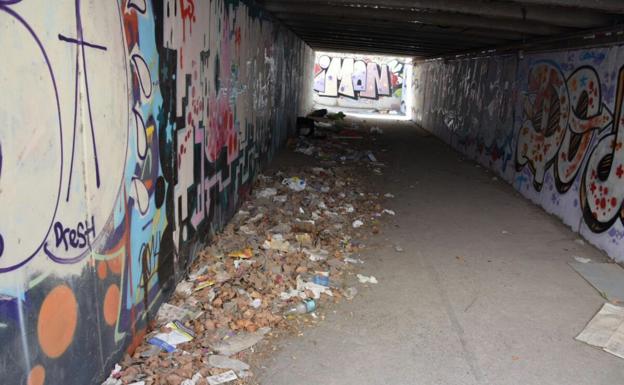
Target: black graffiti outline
(81,43)
(4,7)
(43,245)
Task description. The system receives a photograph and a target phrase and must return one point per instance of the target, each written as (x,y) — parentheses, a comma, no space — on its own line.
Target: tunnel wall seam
(550,124)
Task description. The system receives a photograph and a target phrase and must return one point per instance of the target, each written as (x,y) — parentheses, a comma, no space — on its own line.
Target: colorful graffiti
(560,125)
(560,118)
(360,81)
(131,131)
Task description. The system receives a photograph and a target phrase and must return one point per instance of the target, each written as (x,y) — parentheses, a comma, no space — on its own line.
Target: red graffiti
(187,12)
(237,37)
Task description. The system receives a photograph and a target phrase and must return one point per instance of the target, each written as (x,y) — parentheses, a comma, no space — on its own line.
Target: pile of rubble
(289,251)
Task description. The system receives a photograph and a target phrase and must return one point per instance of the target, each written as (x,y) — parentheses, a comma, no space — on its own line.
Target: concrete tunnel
(305,192)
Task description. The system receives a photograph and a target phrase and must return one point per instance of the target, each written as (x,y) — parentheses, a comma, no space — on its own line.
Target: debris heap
(297,239)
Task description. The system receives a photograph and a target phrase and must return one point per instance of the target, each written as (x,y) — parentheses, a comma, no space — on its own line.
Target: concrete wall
(372,83)
(130,130)
(550,124)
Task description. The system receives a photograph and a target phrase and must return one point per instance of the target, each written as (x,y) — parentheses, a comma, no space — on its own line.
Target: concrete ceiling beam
(372,25)
(329,34)
(445,19)
(611,6)
(413,47)
(497,10)
(357,49)
(400,34)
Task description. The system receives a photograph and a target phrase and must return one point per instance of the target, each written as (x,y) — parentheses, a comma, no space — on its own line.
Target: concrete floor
(465,303)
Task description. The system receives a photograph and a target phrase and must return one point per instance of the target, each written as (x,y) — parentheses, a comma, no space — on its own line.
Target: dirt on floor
(288,256)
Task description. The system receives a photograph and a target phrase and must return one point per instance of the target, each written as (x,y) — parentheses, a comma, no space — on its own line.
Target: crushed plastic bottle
(295,183)
(321,279)
(306,306)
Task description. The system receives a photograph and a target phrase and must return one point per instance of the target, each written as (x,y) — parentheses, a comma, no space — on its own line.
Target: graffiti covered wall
(130,131)
(373,83)
(551,124)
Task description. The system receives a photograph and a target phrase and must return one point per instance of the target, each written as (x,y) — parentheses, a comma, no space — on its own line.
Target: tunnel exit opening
(363,85)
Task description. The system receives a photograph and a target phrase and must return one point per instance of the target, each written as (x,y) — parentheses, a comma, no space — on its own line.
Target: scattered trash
(337,116)
(256,303)
(177,334)
(195,380)
(294,240)
(276,242)
(171,312)
(184,289)
(239,342)
(316,255)
(606,330)
(579,241)
(222,378)
(352,260)
(244,253)
(305,126)
(224,362)
(389,212)
(203,285)
(376,130)
(350,293)
(267,192)
(312,287)
(318,113)
(114,377)
(280,198)
(321,278)
(306,306)
(304,239)
(607,278)
(365,279)
(357,224)
(295,183)
(505,232)
(398,249)
(582,260)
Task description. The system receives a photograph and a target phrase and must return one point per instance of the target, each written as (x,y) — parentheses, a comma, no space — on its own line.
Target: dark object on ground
(305,126)
(337,116)
(318,113)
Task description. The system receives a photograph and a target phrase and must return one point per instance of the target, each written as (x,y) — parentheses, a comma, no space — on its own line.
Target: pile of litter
(290,250)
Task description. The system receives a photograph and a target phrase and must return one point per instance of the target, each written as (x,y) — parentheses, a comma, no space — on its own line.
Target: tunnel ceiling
(430,28)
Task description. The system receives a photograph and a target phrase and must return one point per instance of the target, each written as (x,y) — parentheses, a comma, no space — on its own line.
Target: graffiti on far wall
(359,81)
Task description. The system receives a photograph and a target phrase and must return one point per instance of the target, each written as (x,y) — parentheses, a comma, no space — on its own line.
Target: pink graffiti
(220,126)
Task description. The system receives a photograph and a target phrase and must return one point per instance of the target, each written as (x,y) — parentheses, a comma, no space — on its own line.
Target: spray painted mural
(361,82)
(129,131)
(550,124)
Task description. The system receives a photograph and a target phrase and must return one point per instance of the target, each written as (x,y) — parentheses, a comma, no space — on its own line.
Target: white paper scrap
(222,378)
(606,330)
